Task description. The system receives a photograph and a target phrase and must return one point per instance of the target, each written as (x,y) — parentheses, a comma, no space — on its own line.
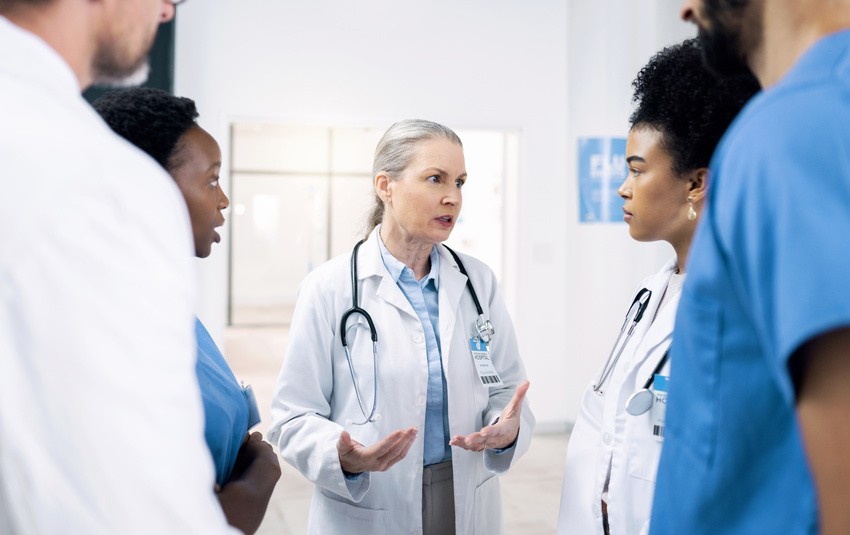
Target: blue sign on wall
(601,170)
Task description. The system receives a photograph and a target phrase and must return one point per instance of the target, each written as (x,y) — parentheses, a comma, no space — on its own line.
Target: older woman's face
(197,178)
(423,203)
(656,198)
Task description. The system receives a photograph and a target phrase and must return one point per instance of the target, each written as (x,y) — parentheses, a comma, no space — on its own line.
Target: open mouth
(446,219)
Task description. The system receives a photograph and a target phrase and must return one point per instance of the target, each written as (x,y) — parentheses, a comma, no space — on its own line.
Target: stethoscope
(641,401)
(635,312)
(483,330)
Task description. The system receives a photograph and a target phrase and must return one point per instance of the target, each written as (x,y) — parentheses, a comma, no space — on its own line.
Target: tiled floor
(530,491)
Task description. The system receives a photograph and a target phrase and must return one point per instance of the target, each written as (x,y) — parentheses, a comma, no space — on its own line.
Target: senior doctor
(612,457)
(407,434)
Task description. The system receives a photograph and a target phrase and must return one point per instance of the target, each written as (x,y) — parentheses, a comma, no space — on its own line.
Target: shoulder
(791,118)
(327,277)
(473,266)
(781,140)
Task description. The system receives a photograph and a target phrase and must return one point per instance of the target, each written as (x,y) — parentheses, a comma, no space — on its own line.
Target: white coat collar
(661,321)
(40,65)
(452,281)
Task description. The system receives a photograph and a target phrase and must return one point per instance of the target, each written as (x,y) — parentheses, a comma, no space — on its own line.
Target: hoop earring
(692,214)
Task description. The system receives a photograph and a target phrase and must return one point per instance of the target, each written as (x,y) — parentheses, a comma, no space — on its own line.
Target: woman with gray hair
(402,392)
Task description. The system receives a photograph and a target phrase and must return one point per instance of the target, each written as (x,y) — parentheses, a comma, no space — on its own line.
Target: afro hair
(150,119)
(692,107)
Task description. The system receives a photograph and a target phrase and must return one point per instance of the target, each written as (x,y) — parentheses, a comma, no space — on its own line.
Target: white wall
(550,69)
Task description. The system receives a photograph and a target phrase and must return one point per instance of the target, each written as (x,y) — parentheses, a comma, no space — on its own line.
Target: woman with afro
(612,458)
(163,126)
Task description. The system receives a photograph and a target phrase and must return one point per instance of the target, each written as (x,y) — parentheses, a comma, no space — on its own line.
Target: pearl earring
(692,214)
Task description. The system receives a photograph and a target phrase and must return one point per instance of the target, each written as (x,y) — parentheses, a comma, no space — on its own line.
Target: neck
(790,28)
(69,38)
(414,254)
(681,249)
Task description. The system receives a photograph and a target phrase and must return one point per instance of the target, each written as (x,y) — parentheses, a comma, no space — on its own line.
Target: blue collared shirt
(423,297)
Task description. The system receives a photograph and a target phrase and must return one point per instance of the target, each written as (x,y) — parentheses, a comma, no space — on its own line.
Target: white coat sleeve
(301,409)
(504,352)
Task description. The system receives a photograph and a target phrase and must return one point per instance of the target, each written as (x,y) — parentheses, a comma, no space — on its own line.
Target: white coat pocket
(329,517)
(488,508)
(644,449)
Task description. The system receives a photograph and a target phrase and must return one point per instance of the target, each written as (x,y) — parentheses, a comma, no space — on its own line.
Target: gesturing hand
(501,434)
(354,457)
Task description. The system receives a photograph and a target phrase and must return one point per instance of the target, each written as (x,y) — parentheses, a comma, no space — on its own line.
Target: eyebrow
(631,159)
(214,165)
(438,171)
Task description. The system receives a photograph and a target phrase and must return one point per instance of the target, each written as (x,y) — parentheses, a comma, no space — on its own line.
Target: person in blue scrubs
(682,110)
(757,415)
(164,127)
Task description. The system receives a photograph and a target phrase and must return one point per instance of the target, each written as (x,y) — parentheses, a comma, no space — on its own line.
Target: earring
(692,214)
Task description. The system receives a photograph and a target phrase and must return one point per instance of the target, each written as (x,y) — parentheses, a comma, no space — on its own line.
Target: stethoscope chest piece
(639,402)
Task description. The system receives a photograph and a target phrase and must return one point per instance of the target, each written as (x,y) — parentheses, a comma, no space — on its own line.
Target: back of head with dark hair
(150,119)
(692,107)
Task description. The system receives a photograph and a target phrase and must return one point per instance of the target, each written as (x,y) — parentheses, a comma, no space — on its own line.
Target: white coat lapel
(452,285)
(656,327)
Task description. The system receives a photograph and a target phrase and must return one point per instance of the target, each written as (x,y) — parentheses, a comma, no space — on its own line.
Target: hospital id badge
(659,406)
(483,365)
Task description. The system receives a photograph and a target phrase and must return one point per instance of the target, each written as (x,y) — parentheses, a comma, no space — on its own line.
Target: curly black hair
(150,119)
(692,107)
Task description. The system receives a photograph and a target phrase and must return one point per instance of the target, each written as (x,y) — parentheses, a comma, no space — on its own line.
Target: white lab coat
(315,398)
(605,433)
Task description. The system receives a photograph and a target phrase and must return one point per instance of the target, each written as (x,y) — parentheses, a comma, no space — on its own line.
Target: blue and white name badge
(253,408)
(483,365)
(659,405)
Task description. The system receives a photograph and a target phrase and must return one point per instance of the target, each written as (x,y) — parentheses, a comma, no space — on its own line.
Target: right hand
(355,458)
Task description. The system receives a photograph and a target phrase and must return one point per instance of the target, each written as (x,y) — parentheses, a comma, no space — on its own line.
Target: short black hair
(150,119)
(691,106)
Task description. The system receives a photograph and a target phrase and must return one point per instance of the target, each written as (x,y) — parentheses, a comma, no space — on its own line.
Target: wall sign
(601,170)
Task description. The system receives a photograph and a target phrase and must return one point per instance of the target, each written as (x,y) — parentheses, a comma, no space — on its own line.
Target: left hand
(245,496)
(501,434)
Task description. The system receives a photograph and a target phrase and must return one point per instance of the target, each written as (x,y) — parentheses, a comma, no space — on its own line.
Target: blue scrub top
(225,408)
(768,271)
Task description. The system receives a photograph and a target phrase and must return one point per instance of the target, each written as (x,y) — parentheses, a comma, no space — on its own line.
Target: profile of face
(121,53)
(656,197)
(422,204)
(728,30)
(197,177)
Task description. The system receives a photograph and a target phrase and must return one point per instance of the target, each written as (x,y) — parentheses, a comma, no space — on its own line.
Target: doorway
(301,194)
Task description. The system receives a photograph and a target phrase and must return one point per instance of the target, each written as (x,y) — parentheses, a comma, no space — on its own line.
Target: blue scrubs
(768,271)
(225,408)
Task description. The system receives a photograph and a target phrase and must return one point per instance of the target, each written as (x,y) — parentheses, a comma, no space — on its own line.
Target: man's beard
(135,78)
(113,69)
(721,52)
(722,44)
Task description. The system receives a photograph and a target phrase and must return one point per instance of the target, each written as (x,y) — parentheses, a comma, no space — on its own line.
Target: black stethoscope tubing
(641,301)
(485,329)
(651,379)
